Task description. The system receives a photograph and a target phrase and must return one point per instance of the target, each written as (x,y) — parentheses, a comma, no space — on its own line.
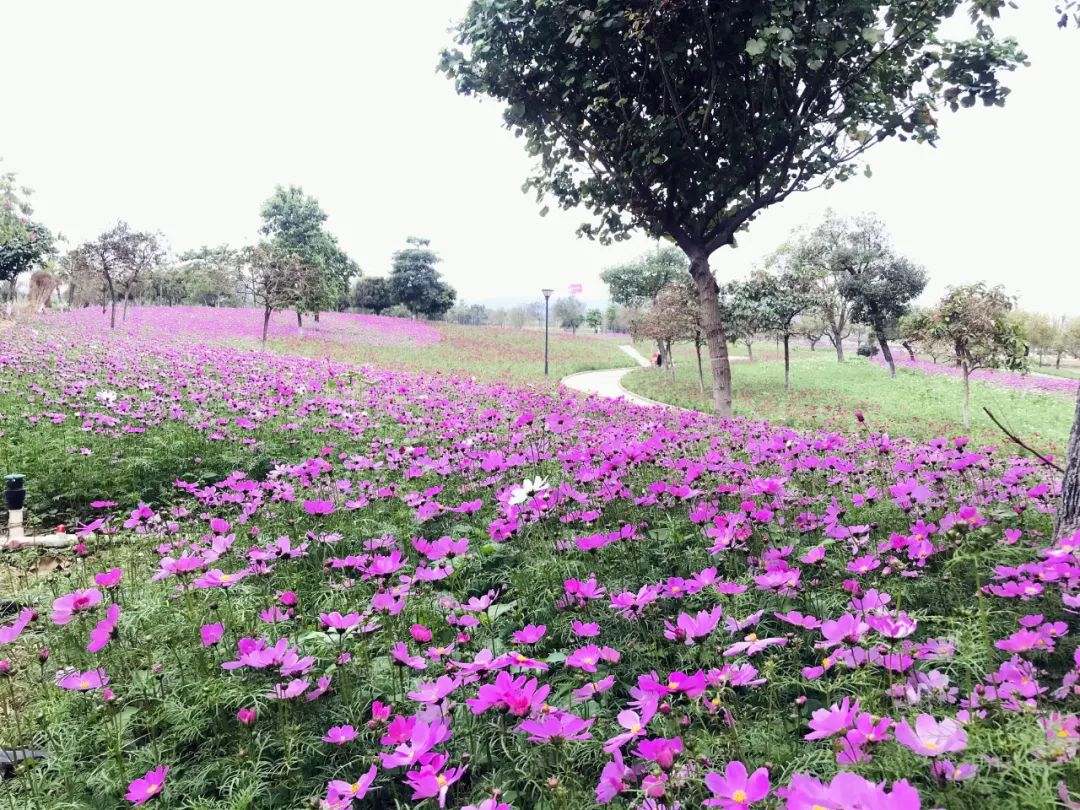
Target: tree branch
(1012,436)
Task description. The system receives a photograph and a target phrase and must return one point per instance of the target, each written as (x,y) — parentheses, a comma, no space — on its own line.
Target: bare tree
(272,279)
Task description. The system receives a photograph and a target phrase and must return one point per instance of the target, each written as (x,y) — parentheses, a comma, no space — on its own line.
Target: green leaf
(755,47)
(873,34)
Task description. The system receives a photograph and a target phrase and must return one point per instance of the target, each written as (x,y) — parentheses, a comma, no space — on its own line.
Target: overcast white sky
(181,117)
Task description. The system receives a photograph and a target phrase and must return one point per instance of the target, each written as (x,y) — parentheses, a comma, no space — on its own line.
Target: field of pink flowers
(1036,383)
(305,583)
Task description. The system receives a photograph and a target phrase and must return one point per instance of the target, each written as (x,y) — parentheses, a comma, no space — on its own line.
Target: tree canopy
(685,120)
(24,243)
(636,283)
(416,284)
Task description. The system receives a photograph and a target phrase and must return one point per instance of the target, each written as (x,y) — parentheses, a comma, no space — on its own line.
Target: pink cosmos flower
(660,750)
(65,607)
(335,621)
(293,688)
(340,794)
(108,579)
(752,645)
(930,738)
(216,578)
(401,655)
(103,631)
(688,628)
(83,681)
(422,737)
(246,716)
(431,780)
(420,634)
(339,735)
(834,720)
(518,696)
(148,786)
(945,771)
(10,632)
(530,634)
(848,790)
(593,688)
(635,725)
(211,634)
(556,726)
(317,507)
(584,629)
(735,790)
(433,692)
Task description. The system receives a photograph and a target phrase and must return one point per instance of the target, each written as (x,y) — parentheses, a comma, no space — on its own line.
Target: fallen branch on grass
(1021,442)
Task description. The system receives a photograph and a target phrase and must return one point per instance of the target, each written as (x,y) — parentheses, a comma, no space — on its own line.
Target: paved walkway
(608,382)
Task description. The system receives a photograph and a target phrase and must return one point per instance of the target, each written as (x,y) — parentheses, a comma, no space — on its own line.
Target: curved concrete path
(608,382)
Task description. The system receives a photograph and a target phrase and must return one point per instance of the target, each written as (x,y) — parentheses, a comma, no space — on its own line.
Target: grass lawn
(826,394)
(485,352)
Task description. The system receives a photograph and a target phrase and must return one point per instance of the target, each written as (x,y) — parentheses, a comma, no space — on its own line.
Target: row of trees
(25,244)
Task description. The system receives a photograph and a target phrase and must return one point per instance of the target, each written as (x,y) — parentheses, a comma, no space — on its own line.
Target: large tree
(416,284)
(686,118)
(373,293)
(24,243)
(294,222)
(117,258)
(273,278)
(974,320)
(879,283)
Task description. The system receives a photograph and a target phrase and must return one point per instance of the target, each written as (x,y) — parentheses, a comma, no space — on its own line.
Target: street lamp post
(547,300)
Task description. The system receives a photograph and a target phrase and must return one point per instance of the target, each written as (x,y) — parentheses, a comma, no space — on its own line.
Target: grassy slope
(489,353)
(826,394)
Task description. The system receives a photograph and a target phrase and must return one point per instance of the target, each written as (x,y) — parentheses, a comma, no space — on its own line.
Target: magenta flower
(688,628)
(340,794)
(401,655)
(103,631)
(217,578)
(211,634)
(415,741)
(848,790)
(246,716)
(433,692)
(735,790)
(431,781)
(518,696)
(10,632)
(634,725)
(945,771)
(584,629)
(84,681)
(109,578)
(930,738)
(293,688)
(339,735)
(593,688)
(335,621)
(660,750)
(530,634)
(318,507)
(148,786)
(752,645)
(65,607)
(833,720)
(556,726)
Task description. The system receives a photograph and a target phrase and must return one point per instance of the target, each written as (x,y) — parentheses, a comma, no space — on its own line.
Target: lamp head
(547,293)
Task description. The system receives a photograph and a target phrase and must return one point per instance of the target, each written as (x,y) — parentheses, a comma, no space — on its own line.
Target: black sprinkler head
(14,492)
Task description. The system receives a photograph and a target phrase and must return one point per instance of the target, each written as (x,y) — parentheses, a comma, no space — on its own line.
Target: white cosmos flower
(529,489)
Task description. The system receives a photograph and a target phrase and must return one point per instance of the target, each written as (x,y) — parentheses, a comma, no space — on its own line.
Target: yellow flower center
(634,729)
(355,787)
(956,774)
(225,578)
(590,660)
(933,746)
(441,780)
(752,637)
(153,787)
(826,662)
(738,796)
(1062,733)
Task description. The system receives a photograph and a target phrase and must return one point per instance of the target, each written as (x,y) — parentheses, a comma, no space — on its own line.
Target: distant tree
(687,119)
(373,293)
(1039,331)
(569,313)
(1069,342)
(974,320)
(273,278)
(109,257)
(746,306)
(595,319)
(611,318)
(209,276)
(811,325)
(785,293)
(878,282)
(416,284)
(468,314)
(142,255)
(294,222)
(24,243)
(673,316)
(637,283)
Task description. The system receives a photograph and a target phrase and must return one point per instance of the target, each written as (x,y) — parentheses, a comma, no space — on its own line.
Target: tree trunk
(787,362)
(670,361)
(910,351)
(966,373)
(112,315)
(700,369)
(1068,514)
(813,344)
(750,351)
(1057,361)
(266,323)
(299,320)
(886,352)
(127,295)
(709,296)
(838,344)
